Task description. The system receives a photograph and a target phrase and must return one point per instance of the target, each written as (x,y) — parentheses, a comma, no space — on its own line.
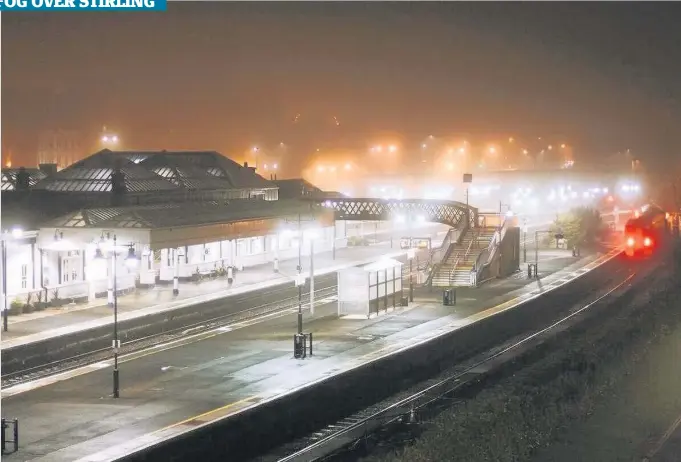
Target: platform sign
(415,243)
(467,177)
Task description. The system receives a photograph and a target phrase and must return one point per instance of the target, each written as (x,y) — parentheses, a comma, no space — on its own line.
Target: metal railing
(486,257)
(442,253)
(466,253)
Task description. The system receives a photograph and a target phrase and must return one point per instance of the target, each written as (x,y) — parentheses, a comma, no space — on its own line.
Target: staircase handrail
(447,245)
(465,255)
(487,256)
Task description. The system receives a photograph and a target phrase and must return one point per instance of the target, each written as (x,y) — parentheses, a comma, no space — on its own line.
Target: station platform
(73,417)
(31,327)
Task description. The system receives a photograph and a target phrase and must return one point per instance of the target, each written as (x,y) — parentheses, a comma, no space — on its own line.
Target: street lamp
(312,235)
(131,261)
(509,213)
(524,240)
(16,233)
(411,253)
(109,139)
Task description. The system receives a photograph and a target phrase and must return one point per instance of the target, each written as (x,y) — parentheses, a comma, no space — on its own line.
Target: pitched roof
(181,214)
(9,177)
(155,171)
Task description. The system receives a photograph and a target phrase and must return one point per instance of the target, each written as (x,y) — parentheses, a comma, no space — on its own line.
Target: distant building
(61,147)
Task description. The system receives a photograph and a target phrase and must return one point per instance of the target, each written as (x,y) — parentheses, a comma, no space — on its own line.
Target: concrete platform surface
(170,389)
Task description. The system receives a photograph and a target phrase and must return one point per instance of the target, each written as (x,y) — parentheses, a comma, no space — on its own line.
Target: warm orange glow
(647,242)
(631,242)
(511,140)
(492,150)
(562,145)
(8,164)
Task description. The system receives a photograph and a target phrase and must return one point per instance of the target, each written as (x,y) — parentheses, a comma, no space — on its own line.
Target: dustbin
(298,345)
(449,297)
(404,301)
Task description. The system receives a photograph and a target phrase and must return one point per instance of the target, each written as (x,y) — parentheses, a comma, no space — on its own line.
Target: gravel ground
(598,394)
(630,417)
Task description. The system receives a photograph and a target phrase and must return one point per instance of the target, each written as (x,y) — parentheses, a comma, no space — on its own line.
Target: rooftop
(181,214)
(9,177)
(157,171)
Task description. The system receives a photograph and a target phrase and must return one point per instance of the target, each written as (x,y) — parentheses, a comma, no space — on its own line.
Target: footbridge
(451,213)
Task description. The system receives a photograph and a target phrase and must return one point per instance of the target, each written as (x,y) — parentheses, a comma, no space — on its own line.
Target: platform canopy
(173,225)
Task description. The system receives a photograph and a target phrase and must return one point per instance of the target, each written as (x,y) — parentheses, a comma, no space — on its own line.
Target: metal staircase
(455,270)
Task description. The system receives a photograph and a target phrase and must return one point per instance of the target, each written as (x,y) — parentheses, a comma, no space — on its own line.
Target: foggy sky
(604,77)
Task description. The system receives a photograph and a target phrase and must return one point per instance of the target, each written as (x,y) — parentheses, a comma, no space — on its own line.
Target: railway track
(269,309)
(341,437)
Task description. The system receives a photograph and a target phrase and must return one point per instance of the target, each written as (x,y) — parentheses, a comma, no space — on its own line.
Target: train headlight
(631,242)
(647,242)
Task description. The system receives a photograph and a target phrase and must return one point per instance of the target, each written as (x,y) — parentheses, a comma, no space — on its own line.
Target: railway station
(123,228)
(180,215)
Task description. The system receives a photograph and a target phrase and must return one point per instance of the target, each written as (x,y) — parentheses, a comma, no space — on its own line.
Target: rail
(94,356)
(406,409)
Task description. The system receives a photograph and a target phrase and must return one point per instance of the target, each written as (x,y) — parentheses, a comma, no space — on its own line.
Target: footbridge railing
(451,213)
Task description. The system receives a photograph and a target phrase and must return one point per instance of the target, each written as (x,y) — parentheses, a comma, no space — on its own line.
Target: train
(646,231)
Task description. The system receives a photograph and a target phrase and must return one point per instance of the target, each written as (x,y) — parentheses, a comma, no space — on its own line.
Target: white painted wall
(93,278)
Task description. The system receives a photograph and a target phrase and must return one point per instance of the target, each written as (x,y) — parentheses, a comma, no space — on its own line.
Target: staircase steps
(455,271)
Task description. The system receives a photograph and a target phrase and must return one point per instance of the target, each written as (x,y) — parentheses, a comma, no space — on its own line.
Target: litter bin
(449,297)
(404,301)
(299,346)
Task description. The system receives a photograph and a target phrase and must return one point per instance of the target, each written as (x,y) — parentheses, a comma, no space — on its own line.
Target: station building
(174,214)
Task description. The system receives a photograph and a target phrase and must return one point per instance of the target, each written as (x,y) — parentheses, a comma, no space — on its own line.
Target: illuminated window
(24,276)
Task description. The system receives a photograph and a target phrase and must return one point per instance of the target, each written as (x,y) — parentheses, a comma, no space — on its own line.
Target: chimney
(48,169)
(23,181)
(118,187)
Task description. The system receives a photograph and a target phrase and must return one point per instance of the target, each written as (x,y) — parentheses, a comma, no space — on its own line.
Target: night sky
(604,77)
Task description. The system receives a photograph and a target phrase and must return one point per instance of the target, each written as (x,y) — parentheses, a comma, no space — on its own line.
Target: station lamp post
(16,233)
(411,253)
(301,339)
(524,240)
(131,261)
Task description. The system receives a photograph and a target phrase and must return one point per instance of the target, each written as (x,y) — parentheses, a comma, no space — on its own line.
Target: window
(256,246)
(24,276)
(65,266)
